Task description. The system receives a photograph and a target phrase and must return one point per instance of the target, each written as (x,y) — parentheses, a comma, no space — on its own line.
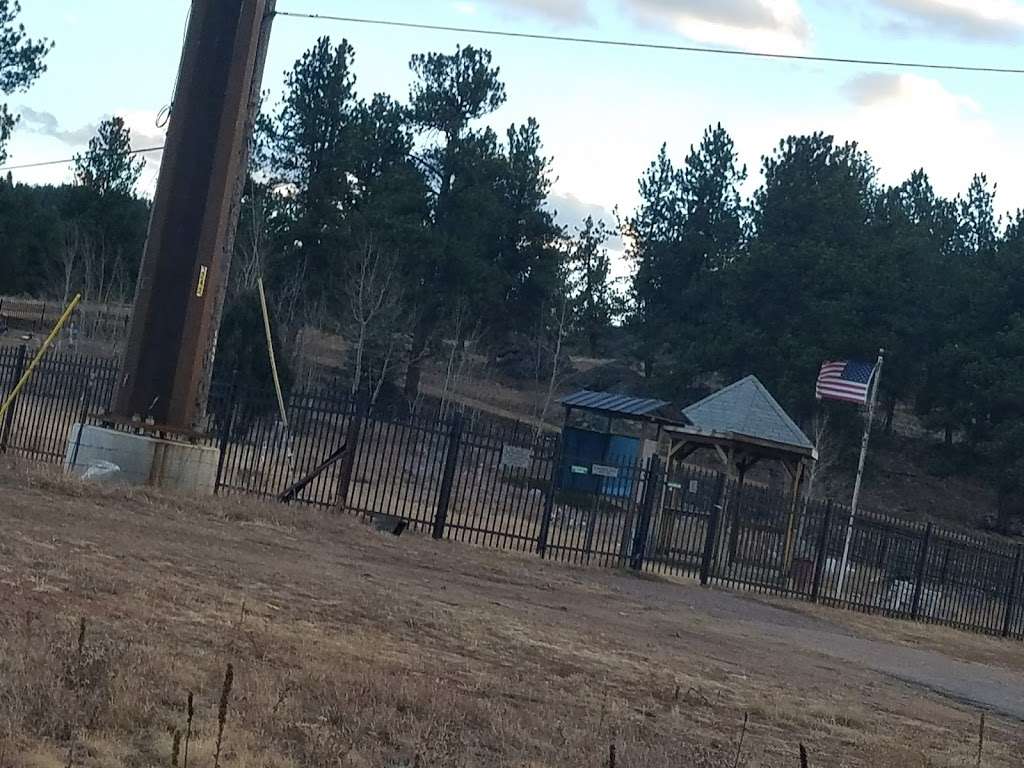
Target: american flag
(847,380)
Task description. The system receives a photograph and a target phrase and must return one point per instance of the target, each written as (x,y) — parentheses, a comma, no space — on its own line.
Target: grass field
(353,648)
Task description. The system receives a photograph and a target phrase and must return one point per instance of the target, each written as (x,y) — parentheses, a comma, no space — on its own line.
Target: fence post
(922,561)
(549,500)
(19,371)
(711,535)
(1011,595)
(819,563)
(444,496)
(652,484)
(225,431)
(87,396)
(348,461)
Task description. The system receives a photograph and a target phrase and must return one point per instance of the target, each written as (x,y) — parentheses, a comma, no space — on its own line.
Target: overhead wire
(696,49)
(905,64)
(69,160)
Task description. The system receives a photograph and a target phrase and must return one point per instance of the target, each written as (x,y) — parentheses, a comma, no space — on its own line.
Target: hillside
(909,473)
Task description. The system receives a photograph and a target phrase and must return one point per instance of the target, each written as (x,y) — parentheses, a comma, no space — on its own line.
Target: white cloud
(571,212)
(915,122)
(46,124)
(777,26)
(466,8)
(997,20)
(566,12)
(906,122)
(39,137)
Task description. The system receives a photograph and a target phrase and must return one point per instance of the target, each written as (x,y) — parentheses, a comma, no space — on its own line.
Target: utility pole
(168,363)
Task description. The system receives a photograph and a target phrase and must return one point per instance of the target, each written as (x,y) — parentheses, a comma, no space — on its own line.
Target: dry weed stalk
(175,747)
(81,636)
(981,738)
(739,747)
(188,727)
(222,711)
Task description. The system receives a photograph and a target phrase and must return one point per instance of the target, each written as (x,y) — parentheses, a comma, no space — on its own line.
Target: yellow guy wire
(39,355)
(270,351)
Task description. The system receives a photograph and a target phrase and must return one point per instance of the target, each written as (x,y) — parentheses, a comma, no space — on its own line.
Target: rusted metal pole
(165,375)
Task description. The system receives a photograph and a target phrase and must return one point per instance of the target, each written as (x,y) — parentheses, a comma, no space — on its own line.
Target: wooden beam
(726,459)
(791,522)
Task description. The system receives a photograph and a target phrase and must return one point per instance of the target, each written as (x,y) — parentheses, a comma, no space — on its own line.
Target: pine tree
(21,63)
(108,167)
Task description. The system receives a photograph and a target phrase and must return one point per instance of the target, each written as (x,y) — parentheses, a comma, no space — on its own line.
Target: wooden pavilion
(743,425)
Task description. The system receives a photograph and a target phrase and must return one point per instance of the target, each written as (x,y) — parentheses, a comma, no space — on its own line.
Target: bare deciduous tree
(371,292)
(561,331)
(69,258)
(828,451)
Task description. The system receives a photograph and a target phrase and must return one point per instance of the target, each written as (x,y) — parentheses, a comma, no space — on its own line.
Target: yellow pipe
(270,351)
(39,355)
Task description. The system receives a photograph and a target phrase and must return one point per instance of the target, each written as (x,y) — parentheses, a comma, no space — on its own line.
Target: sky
(604,112)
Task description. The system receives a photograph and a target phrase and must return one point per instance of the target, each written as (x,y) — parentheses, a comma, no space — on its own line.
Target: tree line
(420,234)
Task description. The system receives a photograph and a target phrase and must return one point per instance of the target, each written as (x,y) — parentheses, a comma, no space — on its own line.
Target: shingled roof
(746,408)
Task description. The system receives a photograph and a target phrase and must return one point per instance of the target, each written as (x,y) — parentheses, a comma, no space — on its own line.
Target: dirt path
(987,686)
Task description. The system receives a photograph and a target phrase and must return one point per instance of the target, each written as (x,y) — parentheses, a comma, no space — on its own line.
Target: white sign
(578,470)
(516,457)
(602,471)
(694,485)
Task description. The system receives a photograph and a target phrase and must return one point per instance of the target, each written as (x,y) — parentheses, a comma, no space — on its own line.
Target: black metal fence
(502,485)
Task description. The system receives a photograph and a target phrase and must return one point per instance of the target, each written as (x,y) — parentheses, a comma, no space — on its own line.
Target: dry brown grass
(351,648)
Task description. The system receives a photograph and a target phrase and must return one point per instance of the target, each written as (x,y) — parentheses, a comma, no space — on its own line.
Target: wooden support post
(711,534)
(787,560)
(736,512)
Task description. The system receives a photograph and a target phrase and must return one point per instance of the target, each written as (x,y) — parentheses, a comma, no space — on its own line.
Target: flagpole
(860,471)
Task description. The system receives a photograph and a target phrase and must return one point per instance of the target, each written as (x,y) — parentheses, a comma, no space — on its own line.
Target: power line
(656,46)
(69,160)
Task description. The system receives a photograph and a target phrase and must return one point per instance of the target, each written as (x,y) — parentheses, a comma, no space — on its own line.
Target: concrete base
(120,457)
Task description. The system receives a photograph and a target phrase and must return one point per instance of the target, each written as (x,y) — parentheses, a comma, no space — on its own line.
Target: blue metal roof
(622,404)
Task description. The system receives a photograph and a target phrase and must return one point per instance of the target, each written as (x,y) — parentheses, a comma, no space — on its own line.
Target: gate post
(444,496)
(19,371)
(711,534)
(549,500)
(1011,595)
(652,484)
(88,391)
(225,431)
(348,461)
(819,564)
(915,608)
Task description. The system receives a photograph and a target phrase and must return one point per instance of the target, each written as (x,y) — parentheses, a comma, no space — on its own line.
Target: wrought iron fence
(508,486)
